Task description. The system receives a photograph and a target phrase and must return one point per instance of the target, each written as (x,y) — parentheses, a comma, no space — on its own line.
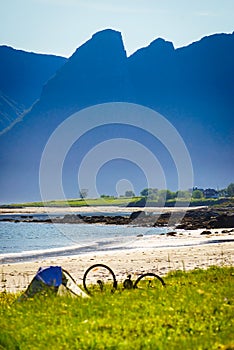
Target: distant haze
(59,26)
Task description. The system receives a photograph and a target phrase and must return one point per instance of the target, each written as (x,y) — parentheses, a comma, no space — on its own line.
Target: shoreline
(200,251)
(197,245)
(93,209)
(110,209)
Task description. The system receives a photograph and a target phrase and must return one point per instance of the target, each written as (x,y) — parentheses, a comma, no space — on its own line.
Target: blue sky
(60,26)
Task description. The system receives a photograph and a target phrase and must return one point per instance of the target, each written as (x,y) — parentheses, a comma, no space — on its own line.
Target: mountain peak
(104,40)
(99,65)
(160,44)
(108,33)
(157,47)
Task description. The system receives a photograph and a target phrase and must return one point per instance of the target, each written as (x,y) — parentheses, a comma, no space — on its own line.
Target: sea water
(24,240)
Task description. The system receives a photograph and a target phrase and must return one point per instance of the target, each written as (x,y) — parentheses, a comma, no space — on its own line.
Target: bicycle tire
(93,267)
(148,274)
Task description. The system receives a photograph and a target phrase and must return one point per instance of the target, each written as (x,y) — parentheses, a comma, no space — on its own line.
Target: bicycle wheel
(99,278)
(149,280)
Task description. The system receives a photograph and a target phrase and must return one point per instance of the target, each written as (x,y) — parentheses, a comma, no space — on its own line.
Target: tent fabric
(38,287)
(71,285)
(51,276)
(53,279)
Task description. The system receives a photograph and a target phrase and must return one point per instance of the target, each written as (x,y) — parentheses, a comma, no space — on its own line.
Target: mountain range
(192,87)
(22,76)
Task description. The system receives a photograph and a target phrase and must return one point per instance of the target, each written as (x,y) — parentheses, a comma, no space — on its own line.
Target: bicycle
(100,278)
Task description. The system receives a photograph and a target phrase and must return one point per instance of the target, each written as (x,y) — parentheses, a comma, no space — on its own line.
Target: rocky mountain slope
(193,87)
(22,76)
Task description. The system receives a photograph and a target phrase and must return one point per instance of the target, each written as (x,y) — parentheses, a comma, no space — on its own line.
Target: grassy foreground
(194,311)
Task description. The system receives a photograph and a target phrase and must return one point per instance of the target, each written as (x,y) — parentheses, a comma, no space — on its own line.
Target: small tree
(197,194)
(230,190)
(162,195)
(83,193)
(151,193)
(166,194)
(222,192)
(183,194)
(145,192)
(129,194)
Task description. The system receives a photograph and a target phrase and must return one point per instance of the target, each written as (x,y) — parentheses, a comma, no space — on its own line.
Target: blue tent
(53,279)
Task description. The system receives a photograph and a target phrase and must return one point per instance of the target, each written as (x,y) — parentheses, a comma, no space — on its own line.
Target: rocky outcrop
(208,218)
(193,219)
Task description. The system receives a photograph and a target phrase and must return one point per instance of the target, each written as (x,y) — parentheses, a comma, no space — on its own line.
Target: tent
(55,280)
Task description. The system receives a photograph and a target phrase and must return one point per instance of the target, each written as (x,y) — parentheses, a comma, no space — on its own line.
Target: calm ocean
(24,241)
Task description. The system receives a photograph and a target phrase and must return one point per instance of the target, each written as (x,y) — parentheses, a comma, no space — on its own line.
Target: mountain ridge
(190,86)
(22,75)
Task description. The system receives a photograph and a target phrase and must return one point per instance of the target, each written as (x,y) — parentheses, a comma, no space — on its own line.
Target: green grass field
(80,202)
(194,311)
(125,201)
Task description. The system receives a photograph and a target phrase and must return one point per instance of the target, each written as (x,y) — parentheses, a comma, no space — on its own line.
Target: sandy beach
(159,254)
(190,250)
(104,209)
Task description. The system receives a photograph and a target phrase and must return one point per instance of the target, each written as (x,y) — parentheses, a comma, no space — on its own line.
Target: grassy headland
(125,201)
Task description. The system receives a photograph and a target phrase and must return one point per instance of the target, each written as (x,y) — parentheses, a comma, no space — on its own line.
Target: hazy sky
(60,26)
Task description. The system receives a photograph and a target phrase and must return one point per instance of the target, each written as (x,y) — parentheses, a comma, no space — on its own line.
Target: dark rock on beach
(207,218)
(206,232)
(95,219)
(172,233)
